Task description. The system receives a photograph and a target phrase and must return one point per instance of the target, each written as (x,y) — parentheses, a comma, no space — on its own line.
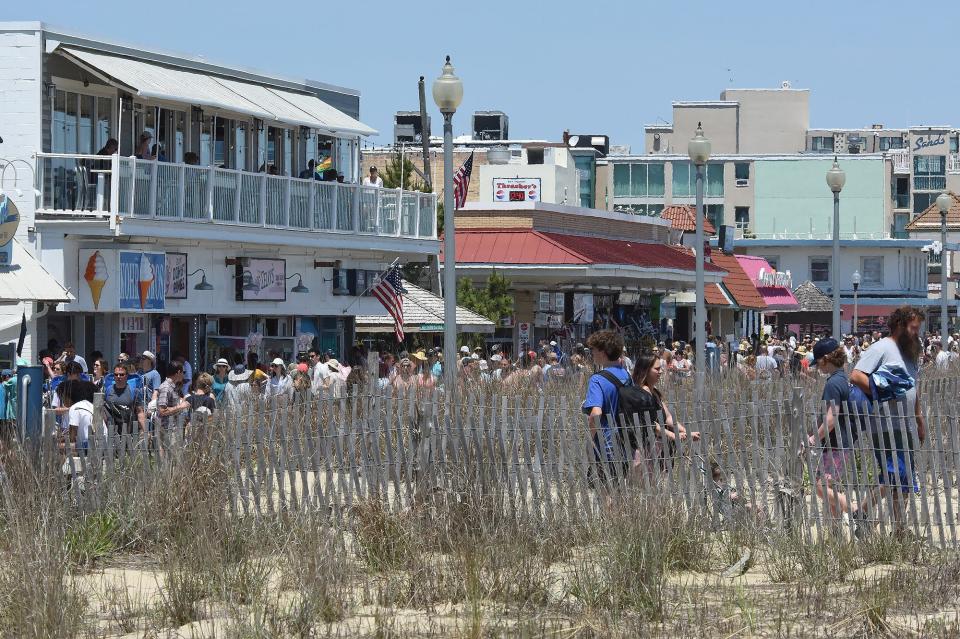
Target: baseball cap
(464,349)
(496,357)
(150,356)
(277,362)
(824,347)
(223,362)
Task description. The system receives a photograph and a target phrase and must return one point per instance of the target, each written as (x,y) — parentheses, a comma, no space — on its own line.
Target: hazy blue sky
(590,66)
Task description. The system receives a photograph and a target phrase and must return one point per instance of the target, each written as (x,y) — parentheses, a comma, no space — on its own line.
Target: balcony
(120,187)
(901,201)
(953,163)
(901,161)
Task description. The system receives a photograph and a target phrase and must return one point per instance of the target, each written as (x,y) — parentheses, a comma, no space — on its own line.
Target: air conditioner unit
(742,182)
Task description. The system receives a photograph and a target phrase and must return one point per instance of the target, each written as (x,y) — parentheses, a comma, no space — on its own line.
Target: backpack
(633,401)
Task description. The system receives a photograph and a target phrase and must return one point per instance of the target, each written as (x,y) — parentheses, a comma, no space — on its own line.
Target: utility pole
(434,260)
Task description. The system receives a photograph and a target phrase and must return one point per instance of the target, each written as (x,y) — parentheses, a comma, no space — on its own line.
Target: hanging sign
(9,222)
(175,284)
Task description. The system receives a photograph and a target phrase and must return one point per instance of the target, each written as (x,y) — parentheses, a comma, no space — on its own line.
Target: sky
(592,67)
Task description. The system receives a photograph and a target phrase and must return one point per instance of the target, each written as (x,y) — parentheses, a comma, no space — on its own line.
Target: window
(891,143)
(535,156)
(901,193)
(81,123)
(585,170)
(741,171)
(923,201)
(871,271)
(900,221)
(715,215)
(685,180)
(929,173)
(741,215)
(954,146)
(653,210)
(821,144)
(545,299)
(638,180)
(820,270)
(773,261)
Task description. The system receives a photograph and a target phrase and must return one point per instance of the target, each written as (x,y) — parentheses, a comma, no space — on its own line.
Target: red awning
(777,298)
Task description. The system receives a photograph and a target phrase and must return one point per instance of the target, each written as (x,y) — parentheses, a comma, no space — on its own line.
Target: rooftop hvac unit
(491,125)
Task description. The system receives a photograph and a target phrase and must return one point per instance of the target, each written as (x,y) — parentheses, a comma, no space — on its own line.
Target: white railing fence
(122,186)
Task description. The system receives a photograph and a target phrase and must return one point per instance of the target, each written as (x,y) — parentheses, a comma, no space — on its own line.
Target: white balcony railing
(901,160)
(127,187)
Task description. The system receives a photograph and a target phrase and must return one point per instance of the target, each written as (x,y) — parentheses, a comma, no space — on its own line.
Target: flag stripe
(389,292)
(461,183)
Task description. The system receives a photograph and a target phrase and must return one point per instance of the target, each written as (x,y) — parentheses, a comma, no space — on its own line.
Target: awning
(423,313)
(777,298)
(27,281)
(162,82)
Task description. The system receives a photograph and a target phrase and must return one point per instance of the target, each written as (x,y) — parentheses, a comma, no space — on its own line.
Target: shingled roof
(683,218)
(929,219)
(812,299)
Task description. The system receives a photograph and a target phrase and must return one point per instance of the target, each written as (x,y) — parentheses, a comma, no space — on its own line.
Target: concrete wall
(772,121)
(792,197)
(719,124)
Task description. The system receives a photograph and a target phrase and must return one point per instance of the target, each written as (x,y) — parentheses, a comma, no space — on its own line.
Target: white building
(217,246)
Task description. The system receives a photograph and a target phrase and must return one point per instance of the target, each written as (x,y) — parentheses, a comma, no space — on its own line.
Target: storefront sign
(9,222)
(516,190)
(262,280)
(98,286)
(774,278)
(133,323)
(142,279)
(523,332)
(926,141)
(176,280)
(431,328)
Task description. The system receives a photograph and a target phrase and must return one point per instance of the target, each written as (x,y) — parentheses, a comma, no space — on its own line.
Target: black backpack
(633,403)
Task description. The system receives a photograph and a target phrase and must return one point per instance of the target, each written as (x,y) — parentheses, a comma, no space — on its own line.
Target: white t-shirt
(368,182)
(943,359)
(80,416)
(320,374)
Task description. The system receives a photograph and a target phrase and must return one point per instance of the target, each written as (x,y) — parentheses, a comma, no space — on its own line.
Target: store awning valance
(25,280)
(163,82)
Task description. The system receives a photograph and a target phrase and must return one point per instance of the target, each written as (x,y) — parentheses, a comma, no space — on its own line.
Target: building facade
(208,230)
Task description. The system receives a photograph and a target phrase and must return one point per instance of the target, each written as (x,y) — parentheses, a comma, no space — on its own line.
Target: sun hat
(419,355)
(223,362)
(464,349)
(333,364)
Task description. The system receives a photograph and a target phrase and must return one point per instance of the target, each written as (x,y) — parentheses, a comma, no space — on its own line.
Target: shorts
(897,468)
(833,464)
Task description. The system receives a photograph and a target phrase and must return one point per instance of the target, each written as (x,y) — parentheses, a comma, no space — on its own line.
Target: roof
(27,281)
(527,246)
(929,220)
(738,283)
(180,84)
(423,313)
(713,295)
(776,297)
(812,299)
(683,218)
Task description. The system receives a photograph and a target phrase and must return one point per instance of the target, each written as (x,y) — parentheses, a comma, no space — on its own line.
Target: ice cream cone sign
(147,276)
(96,276)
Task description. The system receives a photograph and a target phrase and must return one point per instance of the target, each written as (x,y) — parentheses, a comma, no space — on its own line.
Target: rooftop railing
(148,189)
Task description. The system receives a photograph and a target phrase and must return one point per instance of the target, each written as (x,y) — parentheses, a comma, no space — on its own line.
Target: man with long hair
(897,358)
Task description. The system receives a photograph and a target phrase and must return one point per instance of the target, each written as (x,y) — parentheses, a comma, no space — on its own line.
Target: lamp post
(448,93)
(699,151)
(856,287)
(835,180)
(943,203)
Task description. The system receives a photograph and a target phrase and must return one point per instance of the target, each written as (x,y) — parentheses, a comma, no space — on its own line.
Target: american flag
(461,182)
(390,293)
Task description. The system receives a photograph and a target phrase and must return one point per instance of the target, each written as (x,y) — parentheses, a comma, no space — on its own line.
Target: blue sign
(928,141)
(142,281)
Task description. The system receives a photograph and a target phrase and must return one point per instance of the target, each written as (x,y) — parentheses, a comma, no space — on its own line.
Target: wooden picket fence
(530,456)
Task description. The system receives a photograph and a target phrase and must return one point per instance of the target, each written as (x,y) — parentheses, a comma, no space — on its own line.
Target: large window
(81,123)
(820,270)
(741,171)
(821,144)
(890,143)
(585,171)
(685,180)
(929,172)
(638,180)
(871,271)
(715,215)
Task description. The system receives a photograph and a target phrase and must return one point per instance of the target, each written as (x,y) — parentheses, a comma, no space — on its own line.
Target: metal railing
(128,187)
(953,163)
(901,160)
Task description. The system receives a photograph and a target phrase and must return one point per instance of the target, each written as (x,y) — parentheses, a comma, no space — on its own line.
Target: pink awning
(778,298)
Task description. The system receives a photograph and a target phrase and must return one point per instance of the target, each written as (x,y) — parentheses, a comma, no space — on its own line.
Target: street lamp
(943,203)
(856,287)
(698,149)
(448,93)
(835,180)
